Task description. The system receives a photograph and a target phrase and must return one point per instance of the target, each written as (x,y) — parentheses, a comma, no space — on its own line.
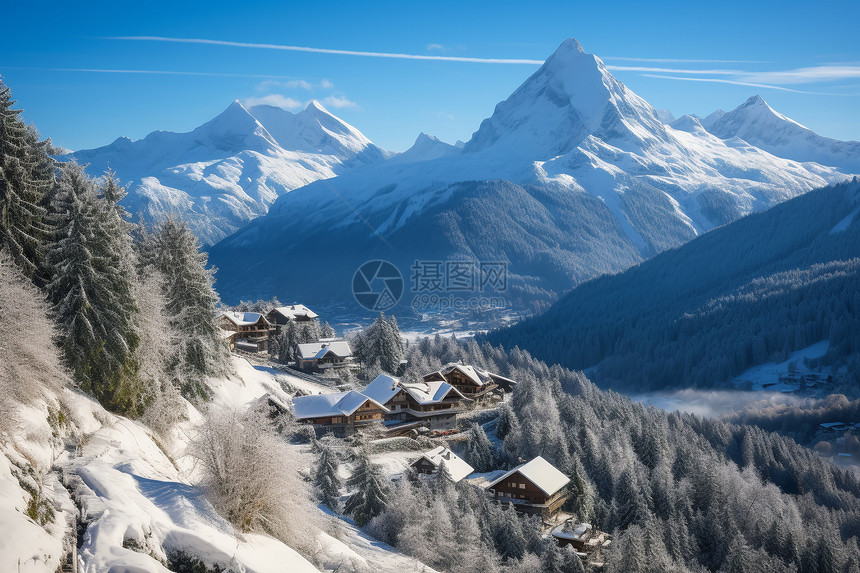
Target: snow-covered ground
(138,497)
(773,376)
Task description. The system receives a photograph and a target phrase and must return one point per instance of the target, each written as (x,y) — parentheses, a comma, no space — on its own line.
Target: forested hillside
(680,492)
(747,293)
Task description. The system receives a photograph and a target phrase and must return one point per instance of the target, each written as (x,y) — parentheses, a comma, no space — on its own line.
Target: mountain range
(232,168)
(748,293)
(574,175)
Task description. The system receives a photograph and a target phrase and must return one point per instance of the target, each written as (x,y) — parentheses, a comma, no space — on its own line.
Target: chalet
(472,382)
(535,488)
(325,355)
(349,409)
(251,330)
(282,315)
(229,338)
(430,462)
(434,404)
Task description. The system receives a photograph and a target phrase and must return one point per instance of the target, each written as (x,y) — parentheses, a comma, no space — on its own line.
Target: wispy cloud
(154,72)
(294,85)
(338,101)
(673,70)
(808,75)
(276,100)
(435,47)
(681,60)
(397,56)
(741,83)
(288,85)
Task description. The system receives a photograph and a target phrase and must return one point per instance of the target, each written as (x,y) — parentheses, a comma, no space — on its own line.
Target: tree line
(678,491)
(751,292)
(131,310)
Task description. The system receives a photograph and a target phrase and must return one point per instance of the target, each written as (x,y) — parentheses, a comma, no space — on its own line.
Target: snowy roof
(337,404)
(456,466)
(574,532)
(384,387)
(225,333)
(478,376)
(430,392)
(541,473)
(295,311)
(832,424)
(243,318)
(316,350)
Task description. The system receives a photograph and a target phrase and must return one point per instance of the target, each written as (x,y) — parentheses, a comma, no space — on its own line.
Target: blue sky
(803,57)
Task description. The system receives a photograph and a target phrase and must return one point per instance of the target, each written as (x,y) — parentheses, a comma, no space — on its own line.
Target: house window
(522,486)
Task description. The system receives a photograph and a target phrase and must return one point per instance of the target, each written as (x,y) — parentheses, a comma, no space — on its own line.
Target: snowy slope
(757,123)
(230,169)
(137,498)
(573,175)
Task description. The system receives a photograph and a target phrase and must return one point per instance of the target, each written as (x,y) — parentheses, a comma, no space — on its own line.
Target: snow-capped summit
(711,118)
(233,130)
(572,176)
(425,148)
(759,124)
(231,169)
(570,97)
(313,130)
(688,123)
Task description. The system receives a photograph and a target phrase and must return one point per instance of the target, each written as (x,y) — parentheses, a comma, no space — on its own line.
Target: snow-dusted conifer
(191,301)
(326,479)
(26,177)
(371,490)
(479,450)
(92,292)
(381,342)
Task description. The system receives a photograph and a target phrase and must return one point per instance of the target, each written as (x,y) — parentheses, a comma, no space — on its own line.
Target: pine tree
(572,562)
(92,292)
(326,331)
(479,450)
(508,534)
(552,558)
(191,301)
(381,342)
(371,491)
(26,178)
(583,495)
(326,479)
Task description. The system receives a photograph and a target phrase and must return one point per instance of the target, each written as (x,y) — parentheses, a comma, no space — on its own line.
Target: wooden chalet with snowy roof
(473,383)
(433,404)
(346,409)
(324,355)
(535,488)
(282,315)
(430,462)
(250,330)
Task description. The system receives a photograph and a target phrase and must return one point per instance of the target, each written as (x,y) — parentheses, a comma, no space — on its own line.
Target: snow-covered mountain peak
(570,97)
(313,129)
(759,124)
(688,123)
(712,118)
(230,169)
(425,148)
(234,130)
